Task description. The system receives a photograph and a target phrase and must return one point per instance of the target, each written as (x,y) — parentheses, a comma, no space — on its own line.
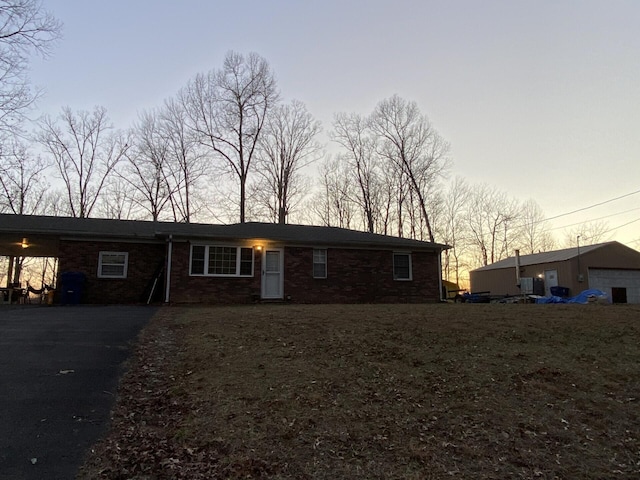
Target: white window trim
(314,263)
(393,266)
(101,264)
(206,261)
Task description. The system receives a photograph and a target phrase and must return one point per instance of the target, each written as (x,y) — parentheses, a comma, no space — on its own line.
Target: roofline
(156,230)
(426,246)
(524,259)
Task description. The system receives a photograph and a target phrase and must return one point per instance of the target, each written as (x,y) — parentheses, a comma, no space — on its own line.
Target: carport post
(168,282)
(10,272)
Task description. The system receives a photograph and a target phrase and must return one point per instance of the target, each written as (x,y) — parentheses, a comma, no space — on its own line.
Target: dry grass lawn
(380,391)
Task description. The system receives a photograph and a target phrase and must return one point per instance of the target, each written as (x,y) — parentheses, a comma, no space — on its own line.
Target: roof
(545,257)
(109,229)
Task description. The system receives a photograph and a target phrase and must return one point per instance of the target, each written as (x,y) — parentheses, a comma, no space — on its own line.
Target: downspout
(440,277)
(518,279)
(168,280)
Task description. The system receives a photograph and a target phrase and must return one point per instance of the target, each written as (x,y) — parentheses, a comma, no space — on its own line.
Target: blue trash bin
(559,291)
(72,287)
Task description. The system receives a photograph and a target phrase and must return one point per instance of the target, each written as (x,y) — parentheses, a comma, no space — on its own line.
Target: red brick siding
(77,256)
(359,276)
(206,289)
(354,276)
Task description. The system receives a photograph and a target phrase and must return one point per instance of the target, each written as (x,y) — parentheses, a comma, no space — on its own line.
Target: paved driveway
(59,371)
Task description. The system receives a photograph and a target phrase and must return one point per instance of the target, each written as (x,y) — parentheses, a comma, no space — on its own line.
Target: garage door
(622,286)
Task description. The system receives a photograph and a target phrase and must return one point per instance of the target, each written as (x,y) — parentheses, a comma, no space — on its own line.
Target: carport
(16,246)
(84,247)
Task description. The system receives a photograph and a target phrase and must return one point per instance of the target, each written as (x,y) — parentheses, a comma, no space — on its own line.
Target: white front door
(272,274)
(550,280)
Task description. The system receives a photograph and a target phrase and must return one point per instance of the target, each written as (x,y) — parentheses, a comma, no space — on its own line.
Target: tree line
(227,148)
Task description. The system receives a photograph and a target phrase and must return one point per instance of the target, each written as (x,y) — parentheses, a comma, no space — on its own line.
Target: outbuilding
(125,261)
(610,267)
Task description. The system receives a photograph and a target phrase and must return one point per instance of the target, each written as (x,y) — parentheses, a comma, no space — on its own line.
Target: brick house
(125,261)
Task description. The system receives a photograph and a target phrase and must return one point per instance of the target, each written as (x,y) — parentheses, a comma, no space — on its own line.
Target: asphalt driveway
(59,371)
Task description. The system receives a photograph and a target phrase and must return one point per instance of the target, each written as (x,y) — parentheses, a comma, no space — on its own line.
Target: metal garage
(611,267)
(622,286)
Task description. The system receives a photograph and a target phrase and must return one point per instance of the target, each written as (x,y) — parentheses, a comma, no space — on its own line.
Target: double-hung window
(113,264)
(402,266)
(221,260)
(319,263)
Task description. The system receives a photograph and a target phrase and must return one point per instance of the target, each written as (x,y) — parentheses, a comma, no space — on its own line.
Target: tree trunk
(243,180)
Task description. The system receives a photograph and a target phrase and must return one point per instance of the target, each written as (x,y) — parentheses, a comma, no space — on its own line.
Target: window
(319,263)
(113,264)
(221,260)
(197,259)
(402,266)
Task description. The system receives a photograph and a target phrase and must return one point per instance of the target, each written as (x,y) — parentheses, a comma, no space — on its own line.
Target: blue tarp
(585,296)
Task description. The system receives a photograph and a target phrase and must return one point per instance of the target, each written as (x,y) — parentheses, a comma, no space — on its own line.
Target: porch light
(258,248)
(25,242)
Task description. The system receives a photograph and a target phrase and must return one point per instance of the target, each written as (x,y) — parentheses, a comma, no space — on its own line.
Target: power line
(619,226)
(595,219)
(593,206)
(466,239)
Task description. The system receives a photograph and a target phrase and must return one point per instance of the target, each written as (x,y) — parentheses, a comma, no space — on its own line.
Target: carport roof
(544,257)
(15,227)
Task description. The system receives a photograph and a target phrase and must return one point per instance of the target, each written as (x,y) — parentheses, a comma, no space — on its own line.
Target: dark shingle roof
(146,230)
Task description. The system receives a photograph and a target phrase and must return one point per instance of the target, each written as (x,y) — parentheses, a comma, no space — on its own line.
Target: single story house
(610,267)
(125,261)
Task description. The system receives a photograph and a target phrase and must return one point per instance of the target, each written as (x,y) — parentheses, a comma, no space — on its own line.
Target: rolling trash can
(72,287)
(559,291)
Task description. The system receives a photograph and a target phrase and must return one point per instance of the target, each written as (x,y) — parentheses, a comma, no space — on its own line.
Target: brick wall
(80,256)
(353,276)
(359,276)
(198,289)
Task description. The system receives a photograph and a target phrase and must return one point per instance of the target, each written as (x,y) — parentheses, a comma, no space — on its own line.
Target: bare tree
(352,132)
(186,162)
(25,28)
(287,145)
(22,180)
(85,152)
(385,197)
(22,189)
(534,235)
(452,228)
(333,204)
(590,233)
(146,165)
(118,200)
(227,109)
(491,217)
(407,140)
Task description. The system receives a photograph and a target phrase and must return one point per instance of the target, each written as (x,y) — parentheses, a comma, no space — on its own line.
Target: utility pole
(579,272)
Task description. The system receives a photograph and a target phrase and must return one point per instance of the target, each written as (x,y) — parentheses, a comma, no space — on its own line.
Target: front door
(272,274)
(550,280)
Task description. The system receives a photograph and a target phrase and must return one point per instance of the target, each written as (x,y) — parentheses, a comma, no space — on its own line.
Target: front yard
(380,391)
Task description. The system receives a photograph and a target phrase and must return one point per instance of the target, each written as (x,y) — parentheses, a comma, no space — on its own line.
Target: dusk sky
(539,98)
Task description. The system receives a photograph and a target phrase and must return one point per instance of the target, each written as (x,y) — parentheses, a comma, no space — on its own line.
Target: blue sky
(539,98)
